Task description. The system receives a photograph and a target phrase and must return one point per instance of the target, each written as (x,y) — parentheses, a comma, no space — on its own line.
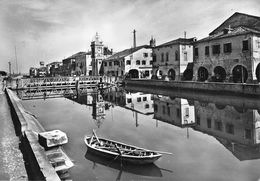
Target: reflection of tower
(98,111)
(96,54)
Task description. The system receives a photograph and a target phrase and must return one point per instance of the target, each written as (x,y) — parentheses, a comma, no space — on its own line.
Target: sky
(51,30)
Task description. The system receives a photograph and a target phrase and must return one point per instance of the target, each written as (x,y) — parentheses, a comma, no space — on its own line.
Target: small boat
(120,151)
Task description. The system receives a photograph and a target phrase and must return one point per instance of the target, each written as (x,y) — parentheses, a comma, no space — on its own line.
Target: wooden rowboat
(120,151)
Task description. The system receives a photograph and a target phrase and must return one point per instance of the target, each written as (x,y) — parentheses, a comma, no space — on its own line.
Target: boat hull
(139,160)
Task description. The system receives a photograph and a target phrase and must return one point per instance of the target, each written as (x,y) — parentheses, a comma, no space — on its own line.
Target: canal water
(212,137)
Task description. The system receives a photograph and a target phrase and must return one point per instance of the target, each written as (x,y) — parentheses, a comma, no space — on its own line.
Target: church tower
(97,54)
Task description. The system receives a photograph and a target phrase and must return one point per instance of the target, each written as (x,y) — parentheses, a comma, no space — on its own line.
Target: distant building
(231,53)
(33,72)
(54,69)
(77,64)
(98,54)
(171,60)
(134,62)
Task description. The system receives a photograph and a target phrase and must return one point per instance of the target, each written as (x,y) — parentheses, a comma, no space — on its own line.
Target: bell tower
(97,54)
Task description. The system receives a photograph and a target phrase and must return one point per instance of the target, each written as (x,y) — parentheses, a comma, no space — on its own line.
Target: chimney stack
(134,39)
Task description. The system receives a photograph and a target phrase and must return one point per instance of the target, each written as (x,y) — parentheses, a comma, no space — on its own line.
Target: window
(139,99)
(245,45)
(129,100)
(116,63)
(128,62)
(230,128)
(176,55)
(145,54)
(178,112)
(143,62)
(151,62)
(110,64)
(248,133)
(155,108)
(163,109)
(187,112)
(162,57)
(185,57)
(218,125)
(137,62)
(209,122)
(198,120)
(167,57)
(147,106)
(105,64)
(227,48)
(215,49)
(207,50)
(147,73)
(168,110)
(144,98)
(154,58)
(196,52)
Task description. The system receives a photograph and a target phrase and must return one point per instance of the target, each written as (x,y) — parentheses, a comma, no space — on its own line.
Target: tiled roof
(78,54)
(183,41)
(237,20)
(234,32)
(126,52)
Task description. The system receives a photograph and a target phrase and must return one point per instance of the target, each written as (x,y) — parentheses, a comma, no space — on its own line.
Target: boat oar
(120,153)
(96,135)
(163,152)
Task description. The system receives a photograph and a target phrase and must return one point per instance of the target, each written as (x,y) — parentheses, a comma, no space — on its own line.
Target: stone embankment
(26,126)
(213,87)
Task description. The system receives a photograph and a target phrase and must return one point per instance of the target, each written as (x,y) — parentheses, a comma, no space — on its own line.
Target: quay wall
(27,127)
(222,88)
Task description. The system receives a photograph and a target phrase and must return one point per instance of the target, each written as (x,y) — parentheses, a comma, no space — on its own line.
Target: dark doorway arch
(219,74)
(239,74)
(133,73)
(159,74)
(171,74)
(188,74)
(257,72)
(203,74)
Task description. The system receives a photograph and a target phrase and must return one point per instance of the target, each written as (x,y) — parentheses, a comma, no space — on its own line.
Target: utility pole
(9,63)
(16,59)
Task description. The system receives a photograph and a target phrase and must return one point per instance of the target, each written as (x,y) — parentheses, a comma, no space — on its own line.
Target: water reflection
(236,127)
(150,170)
(233,121)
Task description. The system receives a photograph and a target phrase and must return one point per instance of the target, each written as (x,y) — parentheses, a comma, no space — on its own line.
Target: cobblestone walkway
(11,160)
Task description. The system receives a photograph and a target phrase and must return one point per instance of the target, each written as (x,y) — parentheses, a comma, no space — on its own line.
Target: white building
(171,59)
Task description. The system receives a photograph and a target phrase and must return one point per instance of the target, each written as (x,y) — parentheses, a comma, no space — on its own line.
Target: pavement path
(11,159)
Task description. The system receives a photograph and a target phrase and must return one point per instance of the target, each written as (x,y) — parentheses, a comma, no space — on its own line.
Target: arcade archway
(171,74)
(239,74)
(219,74)
(203,74)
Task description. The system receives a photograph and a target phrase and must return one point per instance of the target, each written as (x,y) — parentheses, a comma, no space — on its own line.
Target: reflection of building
(171,59)
(231,52)
(174,111)
(237,129)
(98,109)
(138,102)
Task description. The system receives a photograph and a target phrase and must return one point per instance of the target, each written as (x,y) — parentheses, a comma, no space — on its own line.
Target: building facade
(134,62)
(231,53)
(98,53)
(171,60)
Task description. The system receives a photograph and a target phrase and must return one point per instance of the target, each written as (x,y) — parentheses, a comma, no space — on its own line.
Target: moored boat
(120,151)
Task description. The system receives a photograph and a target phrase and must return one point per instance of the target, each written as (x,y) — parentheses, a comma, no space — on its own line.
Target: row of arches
(239,74)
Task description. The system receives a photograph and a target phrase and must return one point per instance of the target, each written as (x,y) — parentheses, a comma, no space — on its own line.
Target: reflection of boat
(150,170)
(126,153)
(59,160)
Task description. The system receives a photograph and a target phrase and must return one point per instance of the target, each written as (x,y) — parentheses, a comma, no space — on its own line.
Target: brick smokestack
(134,39)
